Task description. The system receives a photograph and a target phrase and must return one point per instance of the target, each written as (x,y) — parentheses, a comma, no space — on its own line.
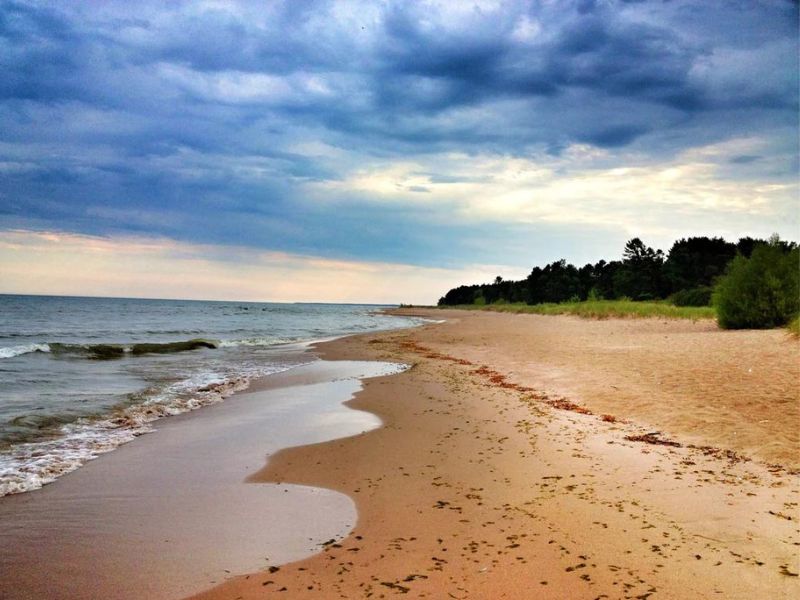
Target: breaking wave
(112,351)
(71,441)
(12,351)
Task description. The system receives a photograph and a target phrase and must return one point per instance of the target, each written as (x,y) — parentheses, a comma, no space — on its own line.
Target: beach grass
(794,326)
(603,309)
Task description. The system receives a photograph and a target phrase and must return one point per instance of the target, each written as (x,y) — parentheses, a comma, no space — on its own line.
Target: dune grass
(794,326)
(603,309)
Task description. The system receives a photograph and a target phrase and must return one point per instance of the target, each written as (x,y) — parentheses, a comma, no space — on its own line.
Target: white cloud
(585,185)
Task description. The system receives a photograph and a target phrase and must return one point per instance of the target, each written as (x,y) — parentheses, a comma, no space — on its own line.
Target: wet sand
(550,457)
(170,513)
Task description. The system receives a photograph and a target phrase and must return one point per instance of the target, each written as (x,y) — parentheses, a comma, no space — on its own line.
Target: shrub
(699,296)
(761,291)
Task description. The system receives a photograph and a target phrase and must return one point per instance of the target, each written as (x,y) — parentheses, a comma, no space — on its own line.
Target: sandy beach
(518,456)
(528,456)
(349,299)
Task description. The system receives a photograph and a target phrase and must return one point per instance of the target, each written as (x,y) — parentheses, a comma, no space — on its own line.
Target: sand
(528,456)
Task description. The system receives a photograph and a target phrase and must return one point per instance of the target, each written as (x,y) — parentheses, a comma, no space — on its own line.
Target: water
(80,376)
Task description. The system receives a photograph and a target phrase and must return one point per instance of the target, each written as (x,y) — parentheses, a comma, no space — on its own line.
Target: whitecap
(12,351)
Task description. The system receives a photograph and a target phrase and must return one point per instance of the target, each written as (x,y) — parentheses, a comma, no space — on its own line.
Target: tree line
(686,275)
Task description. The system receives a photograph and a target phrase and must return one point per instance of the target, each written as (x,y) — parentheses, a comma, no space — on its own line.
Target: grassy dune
(605,309)
(602,309)
(794,327)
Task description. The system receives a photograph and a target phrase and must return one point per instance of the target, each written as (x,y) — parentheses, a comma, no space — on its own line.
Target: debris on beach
(396,586)
(564,404)
(653,438)
(729,455)
(612,419)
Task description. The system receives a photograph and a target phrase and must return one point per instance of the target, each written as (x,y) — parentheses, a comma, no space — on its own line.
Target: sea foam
(29,466)
(12,351)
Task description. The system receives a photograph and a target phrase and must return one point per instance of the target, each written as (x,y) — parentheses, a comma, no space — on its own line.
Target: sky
(382,151)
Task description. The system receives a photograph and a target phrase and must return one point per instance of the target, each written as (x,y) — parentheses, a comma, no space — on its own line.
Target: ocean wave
(108,351)
(30,465)
(36,423)
(12,351)
(256,341)
(112,351)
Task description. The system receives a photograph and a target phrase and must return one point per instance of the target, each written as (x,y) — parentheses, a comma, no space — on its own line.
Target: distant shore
(553,457)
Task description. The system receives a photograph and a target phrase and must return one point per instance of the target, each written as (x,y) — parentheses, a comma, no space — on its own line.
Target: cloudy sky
(381,151)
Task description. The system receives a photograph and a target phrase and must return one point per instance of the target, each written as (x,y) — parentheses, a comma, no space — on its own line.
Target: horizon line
(198,299)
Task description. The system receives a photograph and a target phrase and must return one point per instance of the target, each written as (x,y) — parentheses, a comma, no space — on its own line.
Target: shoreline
(72,395)
(154,517)
(476,487)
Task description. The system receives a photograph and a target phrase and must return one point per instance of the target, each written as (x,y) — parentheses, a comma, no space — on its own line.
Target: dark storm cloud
(115,113)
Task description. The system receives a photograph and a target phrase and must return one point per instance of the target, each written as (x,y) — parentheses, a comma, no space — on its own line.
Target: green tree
(640,277)
(697,262)
(560,281)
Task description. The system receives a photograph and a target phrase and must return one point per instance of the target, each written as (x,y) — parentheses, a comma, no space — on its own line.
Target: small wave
(95,351)
(38,422)
(111,351)
(30,465)
(164,332)
(170,347)
(258,341)
(12,351)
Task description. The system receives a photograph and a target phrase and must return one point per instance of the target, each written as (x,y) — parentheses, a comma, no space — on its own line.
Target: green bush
(699,296)
(761,291)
